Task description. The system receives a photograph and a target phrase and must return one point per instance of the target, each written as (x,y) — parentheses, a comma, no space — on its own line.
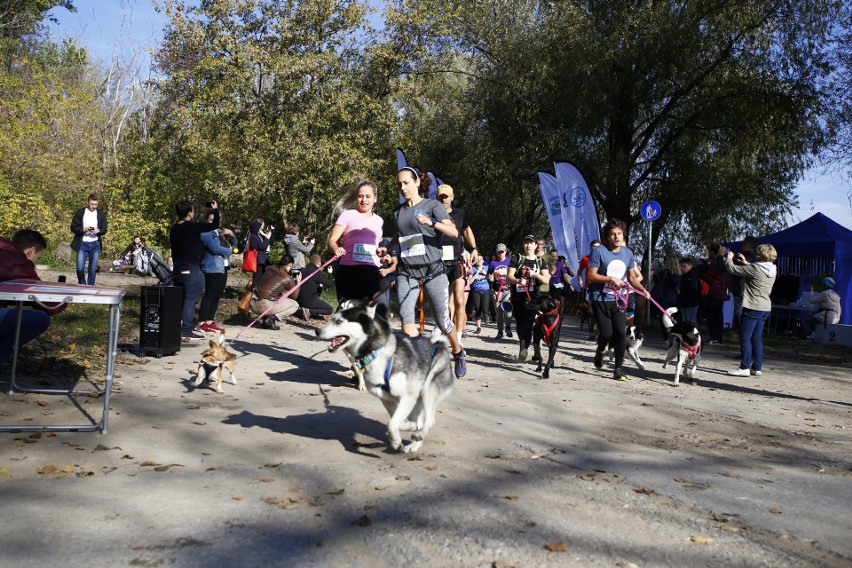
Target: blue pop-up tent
(815,246)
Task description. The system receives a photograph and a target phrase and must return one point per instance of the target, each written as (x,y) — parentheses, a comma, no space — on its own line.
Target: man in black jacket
(310,299)
(89,225)
(187,249)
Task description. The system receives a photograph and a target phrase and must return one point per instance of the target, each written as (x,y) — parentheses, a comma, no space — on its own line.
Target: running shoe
(598,359)
(460,364)
(756,373)
(739,373)
(522,354)
(619,375)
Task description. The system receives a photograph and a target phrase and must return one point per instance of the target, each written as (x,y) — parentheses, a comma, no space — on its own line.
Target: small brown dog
(213,360)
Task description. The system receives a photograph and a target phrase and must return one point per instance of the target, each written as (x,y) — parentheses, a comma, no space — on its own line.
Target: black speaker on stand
(159,320)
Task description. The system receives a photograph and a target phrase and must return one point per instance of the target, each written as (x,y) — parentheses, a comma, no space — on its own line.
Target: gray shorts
(437,290)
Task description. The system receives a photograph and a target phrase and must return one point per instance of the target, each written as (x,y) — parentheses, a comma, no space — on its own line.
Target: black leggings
(524,320)
(612,324)
(214,287)
(481,302)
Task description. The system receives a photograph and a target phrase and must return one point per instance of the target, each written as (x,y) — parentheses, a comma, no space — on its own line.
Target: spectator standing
(89,225)
(497,271)
(526,275)
(610,267)
(689,292)
(421,222)
(187,250)
(258,240)
(310,292)
(17,261)
(481,296)
(758,278)
(735,282)
(667,282)
(296,247)
(355,237)
(453,255)
(213,265)
(717,280)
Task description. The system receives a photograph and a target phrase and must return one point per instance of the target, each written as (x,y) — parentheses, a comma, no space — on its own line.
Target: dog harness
(548,329)
(692,352)
(364,361)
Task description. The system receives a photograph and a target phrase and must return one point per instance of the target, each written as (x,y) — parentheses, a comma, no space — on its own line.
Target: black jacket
(78,229)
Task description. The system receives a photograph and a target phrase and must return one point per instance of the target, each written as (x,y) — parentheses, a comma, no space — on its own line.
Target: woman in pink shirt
(355,236)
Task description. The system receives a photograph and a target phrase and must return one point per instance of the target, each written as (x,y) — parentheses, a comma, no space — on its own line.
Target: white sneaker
(739,373)
(756,373)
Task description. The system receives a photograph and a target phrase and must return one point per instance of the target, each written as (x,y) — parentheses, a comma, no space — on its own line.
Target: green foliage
(264,108)
(711,109)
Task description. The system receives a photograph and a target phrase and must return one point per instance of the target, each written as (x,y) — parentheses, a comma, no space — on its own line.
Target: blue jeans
(91,252)
(689,314)
(193,286)
(751,338)
(33,324)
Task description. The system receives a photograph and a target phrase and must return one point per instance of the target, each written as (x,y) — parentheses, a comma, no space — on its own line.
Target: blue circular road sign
(650,210)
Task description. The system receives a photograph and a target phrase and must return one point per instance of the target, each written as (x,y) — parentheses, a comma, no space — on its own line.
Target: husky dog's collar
(364,361)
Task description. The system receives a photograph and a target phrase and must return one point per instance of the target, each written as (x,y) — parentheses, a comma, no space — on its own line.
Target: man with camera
(89,225)
(187,250)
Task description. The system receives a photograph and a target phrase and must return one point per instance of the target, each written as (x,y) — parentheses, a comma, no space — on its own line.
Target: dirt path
(291,467)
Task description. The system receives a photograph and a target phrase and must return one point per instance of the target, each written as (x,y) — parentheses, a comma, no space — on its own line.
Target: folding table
(38,292)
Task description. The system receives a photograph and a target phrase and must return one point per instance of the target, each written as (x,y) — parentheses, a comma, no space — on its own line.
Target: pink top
(361,237)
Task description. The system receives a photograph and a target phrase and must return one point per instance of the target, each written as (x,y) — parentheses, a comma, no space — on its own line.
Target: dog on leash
(634,340)
(547,327)
(213,361)
(684,346)
(410,375)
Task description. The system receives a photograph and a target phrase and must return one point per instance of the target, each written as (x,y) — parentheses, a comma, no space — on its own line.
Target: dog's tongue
(336,342)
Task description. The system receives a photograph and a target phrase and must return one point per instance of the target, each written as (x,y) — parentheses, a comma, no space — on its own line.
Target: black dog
(547,326)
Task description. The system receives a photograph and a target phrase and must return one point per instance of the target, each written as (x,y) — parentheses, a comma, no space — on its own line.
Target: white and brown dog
(684,346)
(213,360)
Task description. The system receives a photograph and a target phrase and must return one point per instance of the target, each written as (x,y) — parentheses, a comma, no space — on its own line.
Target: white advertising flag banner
(550,195)
(580,225)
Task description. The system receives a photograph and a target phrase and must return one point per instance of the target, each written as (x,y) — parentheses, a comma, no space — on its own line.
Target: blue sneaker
(461,364)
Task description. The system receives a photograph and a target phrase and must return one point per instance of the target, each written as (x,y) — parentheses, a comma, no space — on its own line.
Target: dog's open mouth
(337,342)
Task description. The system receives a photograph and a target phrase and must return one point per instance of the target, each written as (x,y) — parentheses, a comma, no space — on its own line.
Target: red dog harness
(548,329)
(691,352)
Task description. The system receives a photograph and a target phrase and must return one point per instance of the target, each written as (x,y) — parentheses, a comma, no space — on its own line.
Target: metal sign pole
(650,211)
(649,273)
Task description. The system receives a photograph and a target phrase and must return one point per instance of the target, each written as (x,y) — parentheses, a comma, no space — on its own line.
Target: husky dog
(213,360)
(547,326)
(410,375)
(684,346)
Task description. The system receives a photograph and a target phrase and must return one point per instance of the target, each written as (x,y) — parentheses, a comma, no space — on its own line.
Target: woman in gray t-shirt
(421,222)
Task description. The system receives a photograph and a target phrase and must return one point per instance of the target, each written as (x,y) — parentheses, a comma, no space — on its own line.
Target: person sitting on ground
(17,261)
(310,293)
(124,263)
(274,283)
(829,307)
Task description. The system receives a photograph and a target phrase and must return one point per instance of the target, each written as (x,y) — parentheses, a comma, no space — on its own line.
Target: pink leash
(285,295)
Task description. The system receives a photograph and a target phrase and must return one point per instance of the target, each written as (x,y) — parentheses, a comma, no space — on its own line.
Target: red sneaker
(214,328)
(205,327)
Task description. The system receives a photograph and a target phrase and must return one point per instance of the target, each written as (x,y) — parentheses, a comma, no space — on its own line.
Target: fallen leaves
(701,540)
(556,547)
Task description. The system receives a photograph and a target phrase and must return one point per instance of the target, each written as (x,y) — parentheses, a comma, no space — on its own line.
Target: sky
(107,26)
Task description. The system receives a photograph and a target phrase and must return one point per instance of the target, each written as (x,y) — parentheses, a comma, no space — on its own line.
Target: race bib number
(411,246)
(364,253)
(448,252)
